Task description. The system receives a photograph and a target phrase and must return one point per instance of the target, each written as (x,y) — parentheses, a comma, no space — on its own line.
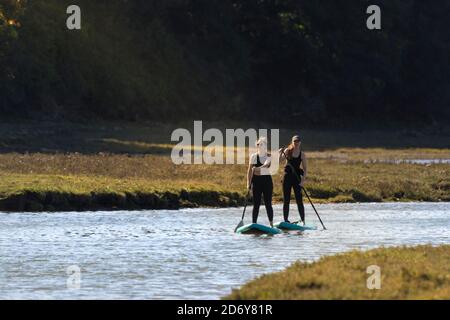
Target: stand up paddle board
(294,226)
(257,228)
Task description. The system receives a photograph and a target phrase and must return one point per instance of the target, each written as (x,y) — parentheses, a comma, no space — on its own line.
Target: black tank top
(295,162)
(263,178)
(258,162)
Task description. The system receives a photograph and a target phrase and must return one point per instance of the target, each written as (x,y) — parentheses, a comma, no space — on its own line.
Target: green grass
(406,273)
(117,158)
(328,181)
(50,192)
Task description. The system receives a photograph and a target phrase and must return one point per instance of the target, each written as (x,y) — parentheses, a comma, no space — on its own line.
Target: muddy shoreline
(53,201)
(30,201)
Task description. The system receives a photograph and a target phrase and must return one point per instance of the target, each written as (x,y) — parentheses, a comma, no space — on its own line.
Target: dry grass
(328,180)
(377,154)
(116,157)
(406,273)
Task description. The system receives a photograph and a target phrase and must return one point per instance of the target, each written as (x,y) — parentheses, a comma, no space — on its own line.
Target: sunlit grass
(377,154)
(339,154)
(328,180)
(406,273)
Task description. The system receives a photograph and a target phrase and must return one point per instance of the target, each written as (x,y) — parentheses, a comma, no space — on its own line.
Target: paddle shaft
(245,206)
(303,188)
(312,204)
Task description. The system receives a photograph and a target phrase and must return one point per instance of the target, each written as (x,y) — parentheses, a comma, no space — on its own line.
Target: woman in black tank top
(259,181)
(292,173)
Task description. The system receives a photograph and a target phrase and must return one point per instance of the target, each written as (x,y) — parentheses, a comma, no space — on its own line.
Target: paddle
(241,223)
(312,204)
(298,178)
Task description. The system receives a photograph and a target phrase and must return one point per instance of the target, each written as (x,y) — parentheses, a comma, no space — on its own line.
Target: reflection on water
(190,254)
(412,161)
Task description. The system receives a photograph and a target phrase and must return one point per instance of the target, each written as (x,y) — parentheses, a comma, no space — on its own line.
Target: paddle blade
(239,225)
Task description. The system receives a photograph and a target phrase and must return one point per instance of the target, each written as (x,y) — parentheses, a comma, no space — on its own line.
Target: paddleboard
(257,228)
(294,226)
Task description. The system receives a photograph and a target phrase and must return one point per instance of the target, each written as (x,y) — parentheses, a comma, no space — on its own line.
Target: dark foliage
(285,60)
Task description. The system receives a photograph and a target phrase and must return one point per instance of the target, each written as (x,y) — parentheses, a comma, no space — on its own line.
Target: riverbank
(406,273)
(63,182)
(119,166)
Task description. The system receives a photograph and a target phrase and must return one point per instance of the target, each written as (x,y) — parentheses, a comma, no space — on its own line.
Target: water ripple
(188,254)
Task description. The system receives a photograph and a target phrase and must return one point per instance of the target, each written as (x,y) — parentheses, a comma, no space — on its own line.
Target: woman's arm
(304,164)
(282,153)
(249,174)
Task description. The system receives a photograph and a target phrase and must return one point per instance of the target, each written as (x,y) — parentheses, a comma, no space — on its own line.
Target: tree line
(283,60)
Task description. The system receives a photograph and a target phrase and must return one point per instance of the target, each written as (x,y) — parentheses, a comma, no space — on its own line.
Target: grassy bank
(406,273)
(37,182)
(81,193)
(50,166)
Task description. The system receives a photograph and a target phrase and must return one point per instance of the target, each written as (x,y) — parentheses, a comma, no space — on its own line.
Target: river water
(187,254)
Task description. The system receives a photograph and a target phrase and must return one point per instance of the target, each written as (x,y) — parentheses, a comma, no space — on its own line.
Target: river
(190,253)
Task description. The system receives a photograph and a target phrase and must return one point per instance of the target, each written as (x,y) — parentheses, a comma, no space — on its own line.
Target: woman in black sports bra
(260,180)
(292,173)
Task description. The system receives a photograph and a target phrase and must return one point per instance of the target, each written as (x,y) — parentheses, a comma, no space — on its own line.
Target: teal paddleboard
(258,229)
(294,226)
